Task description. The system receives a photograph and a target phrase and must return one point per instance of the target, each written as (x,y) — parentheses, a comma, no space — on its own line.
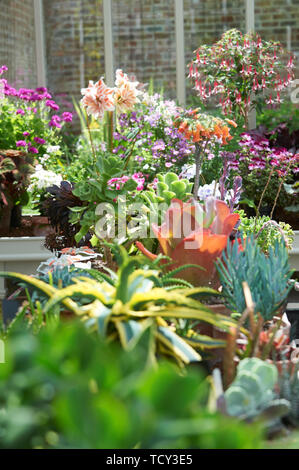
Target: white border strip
(40,43)
(180,52)
(108,41)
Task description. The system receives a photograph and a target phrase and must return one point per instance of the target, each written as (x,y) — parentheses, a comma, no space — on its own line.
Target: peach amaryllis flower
(194,233)
(126,92)
(98,98)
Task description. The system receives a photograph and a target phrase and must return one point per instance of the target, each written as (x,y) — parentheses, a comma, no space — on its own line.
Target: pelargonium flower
(3,69)
(32,149)
(97,98)
(55,121)
(51,104)
(67,116)
(21,143)
(39,140)
(20,111)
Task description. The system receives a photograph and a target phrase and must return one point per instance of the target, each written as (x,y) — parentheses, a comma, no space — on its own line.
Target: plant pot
(21,255)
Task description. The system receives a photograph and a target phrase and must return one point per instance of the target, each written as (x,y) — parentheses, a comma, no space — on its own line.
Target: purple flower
(20,111)
(32,149)
(41,90)
(51,104)
(26,134)
(39,140)
(3,69)
(158,145)
(21,143)
(55,121)
(67,116)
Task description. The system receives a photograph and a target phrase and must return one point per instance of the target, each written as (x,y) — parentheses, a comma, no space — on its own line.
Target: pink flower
(97,98)
(21,143)
(126,93)
(39,140)
(67,117)
(32,149)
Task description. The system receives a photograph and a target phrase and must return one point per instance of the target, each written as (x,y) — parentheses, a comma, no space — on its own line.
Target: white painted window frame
(108,44)
(40,43)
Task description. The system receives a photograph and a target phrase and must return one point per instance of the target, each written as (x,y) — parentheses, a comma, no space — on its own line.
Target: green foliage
(266,276)
(271,117)
(131,302)
(94,191)
(251,394)
(169,187)
(269,231)
(63,389)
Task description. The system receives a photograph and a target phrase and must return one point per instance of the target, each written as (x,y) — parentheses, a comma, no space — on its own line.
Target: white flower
(188,171)
(53,149)
(41,179)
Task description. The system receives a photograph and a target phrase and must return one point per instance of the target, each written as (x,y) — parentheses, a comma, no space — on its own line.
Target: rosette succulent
(194,233)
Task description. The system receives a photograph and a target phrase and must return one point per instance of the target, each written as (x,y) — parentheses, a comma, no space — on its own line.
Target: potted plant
(29,141)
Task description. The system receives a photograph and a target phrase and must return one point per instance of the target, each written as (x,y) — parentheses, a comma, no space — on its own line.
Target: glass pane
(74,44)
(17,42)
(144,42)
(279,21)
(206,20)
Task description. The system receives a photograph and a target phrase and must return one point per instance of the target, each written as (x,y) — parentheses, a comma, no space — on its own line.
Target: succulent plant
(169,187)
(251,394)
(266,275)
(194,233)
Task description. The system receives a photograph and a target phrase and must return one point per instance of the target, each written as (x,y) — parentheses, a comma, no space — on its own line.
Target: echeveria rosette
(210,226)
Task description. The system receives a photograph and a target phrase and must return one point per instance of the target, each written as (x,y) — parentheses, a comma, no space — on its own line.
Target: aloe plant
(131,302)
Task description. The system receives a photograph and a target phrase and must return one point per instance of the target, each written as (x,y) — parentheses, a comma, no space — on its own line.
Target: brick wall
(74,44)
(143,31)
(17,41)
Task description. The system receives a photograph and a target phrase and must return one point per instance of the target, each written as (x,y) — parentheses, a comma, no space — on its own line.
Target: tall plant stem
(91,142)
(110,131)
(279,189)
(199,154)
(263,193)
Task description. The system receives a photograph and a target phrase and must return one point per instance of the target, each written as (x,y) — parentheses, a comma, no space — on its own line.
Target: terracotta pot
(211,330)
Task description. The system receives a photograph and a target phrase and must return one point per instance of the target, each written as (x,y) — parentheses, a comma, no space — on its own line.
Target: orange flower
(232,123)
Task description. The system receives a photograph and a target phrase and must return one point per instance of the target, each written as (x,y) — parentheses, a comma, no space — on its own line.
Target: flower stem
(91,141)
(279,189)
(198,163)
(110,131)
(263,194)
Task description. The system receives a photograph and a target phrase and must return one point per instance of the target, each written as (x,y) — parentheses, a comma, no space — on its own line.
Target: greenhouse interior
(149,228)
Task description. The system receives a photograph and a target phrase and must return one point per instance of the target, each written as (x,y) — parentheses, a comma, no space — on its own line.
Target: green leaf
(177,346)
